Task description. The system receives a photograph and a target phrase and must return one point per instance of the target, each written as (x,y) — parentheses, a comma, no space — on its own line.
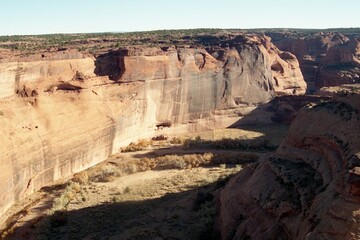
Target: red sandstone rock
(62,113)
(326,59)
(308,189)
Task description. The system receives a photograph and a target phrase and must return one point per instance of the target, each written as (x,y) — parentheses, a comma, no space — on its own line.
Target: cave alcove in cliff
(110,64)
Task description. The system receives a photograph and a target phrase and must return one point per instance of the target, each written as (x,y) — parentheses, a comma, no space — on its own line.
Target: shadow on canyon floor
(187,214)
(280,110)
(260,131)
(184,215)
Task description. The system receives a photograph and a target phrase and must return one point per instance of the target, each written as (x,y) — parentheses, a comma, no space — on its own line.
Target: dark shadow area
(110,64)
(309,70)
(185,215)
(339,66)
(280,110)
(259,144)
(181,151)
(68,87)
(272,120)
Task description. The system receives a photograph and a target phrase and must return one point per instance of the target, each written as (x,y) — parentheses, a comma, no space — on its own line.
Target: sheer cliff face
(287,75)
(308,189)
(63,113)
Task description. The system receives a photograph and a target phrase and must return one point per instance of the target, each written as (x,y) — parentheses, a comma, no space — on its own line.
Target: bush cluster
(230,143)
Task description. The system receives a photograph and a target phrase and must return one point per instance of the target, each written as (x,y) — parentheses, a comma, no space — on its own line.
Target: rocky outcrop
(340,65)
(336,76)
(61,114)
(311,44)
(326,59)
(286,77)
(307,189)
(340,90)
(344,54)
(41,73)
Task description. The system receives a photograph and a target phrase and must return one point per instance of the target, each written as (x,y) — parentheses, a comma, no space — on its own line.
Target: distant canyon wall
(326,58)
(63,112)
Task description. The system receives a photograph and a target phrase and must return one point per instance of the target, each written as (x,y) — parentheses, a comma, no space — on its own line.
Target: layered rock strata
(341,65)
(309,188)
(62,113)
(326,59)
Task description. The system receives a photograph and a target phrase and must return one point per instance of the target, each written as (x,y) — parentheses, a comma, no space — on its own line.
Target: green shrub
(66,197)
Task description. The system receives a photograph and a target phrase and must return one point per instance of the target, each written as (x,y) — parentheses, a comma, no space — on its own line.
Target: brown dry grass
(108,171)
(261,138)
(138,146)
(175,204)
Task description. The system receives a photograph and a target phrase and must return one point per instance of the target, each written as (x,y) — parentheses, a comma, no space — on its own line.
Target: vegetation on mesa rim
(94,41)
(48,41)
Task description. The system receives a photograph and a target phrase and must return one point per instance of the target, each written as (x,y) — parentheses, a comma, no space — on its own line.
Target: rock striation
(309,188)
(63,112)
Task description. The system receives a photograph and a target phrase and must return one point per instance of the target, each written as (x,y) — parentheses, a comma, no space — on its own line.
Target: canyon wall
(64,112)
(326,58)
(340,65)
(309,188)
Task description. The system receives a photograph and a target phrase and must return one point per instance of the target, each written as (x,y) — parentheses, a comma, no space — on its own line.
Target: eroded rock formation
(341,65)
(65,112)
(307,189)
(326,59)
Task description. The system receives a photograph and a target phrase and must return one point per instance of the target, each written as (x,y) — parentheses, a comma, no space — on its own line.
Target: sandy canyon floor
(163,192)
